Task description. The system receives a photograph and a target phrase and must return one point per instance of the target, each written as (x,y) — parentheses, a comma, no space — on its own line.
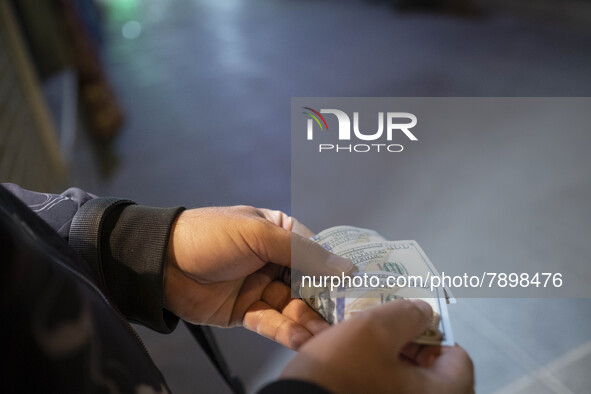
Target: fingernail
(340,264)
(424,307)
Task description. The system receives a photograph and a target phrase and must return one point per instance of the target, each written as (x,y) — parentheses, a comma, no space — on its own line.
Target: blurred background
(188,103)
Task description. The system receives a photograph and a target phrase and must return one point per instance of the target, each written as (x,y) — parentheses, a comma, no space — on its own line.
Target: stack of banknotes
(375,256)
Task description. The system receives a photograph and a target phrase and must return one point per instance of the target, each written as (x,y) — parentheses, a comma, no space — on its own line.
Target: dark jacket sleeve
(57,210)
(124,244)
(291,386)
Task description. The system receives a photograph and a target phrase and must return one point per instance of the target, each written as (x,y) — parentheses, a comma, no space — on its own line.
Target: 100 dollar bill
(374,256)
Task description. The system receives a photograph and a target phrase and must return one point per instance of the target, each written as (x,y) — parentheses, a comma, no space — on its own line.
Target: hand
(231,266)
(372,353)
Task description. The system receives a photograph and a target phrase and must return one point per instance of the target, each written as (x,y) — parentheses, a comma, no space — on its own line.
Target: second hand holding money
(372,352)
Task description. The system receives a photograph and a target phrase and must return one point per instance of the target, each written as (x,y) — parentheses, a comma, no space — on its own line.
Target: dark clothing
(71,282)
(124,245)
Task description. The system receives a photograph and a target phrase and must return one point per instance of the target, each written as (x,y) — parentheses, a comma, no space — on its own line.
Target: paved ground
(207,87)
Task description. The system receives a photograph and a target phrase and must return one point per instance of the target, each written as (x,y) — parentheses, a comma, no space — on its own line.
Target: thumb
(287,222)
(299,228)
(310,258)
(289,249)
(406,320)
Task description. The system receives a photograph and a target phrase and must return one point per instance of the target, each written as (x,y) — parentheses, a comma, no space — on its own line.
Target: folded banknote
(385,263)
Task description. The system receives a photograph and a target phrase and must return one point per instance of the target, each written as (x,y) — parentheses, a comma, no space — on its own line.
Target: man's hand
(231,266)
(372,353)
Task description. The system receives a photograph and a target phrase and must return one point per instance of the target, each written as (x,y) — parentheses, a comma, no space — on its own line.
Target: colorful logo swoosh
(316,117)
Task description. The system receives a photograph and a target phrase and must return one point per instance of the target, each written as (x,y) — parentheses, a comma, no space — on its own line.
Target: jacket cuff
(292,386)
(126,247)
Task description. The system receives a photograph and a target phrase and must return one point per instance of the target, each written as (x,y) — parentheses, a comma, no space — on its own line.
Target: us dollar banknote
(382,261)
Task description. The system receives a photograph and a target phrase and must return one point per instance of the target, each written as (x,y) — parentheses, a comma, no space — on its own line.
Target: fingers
(410,351)
(408,319)
(265,306)
(251,291)
(278,296)
(268,322)
(449,369)
(453,365)
(427,356)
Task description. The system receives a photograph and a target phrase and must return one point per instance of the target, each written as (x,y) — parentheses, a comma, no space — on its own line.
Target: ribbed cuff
(126,245)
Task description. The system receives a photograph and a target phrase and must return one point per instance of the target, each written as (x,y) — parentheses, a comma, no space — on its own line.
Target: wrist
(175,242)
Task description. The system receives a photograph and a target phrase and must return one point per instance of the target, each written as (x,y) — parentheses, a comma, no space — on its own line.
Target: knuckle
(261,326)
(245,209)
